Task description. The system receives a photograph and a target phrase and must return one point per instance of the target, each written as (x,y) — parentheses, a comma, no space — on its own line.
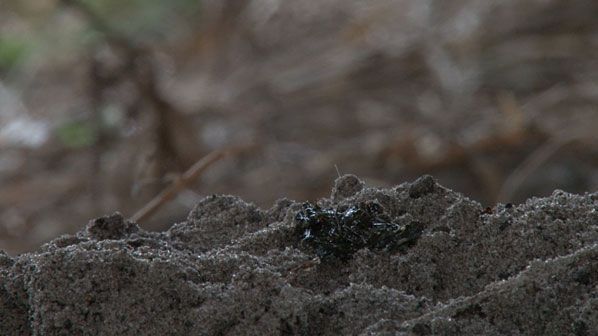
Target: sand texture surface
(234,269)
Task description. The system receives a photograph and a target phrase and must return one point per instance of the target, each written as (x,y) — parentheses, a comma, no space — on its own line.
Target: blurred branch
(138,66)
(96,92)
(183,181)
(534,161)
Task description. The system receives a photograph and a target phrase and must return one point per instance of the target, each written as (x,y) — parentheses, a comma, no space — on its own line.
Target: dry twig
(534,161)
(183,181)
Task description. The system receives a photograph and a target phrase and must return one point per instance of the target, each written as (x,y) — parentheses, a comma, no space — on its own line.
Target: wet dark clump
(340,232)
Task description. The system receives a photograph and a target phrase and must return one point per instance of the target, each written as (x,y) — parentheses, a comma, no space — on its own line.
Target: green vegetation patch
(12,52)
(77,134)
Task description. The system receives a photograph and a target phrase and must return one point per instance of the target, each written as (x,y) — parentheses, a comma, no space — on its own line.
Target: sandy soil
(234,269)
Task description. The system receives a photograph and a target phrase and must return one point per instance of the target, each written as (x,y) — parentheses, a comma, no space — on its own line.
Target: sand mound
(234,269)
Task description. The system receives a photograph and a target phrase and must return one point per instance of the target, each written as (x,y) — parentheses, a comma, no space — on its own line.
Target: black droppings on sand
(341,232)
(234,269)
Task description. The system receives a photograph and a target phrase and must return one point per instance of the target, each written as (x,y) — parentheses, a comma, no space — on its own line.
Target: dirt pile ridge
(234,269)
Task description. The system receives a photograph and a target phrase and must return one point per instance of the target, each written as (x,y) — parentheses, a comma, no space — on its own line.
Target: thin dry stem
(182,182)
(532,163)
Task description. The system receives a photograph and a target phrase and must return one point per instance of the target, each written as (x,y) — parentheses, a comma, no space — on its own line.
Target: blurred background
(105,103)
